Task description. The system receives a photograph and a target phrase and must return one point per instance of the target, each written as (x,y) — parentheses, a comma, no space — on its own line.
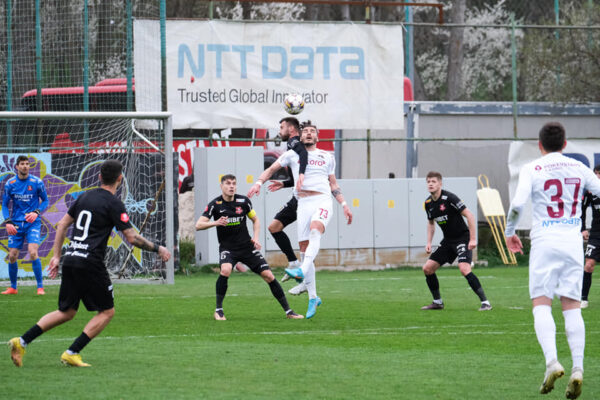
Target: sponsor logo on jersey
(13,181)
(124,217)
(562,221)
(206,209)
(538,168)
(238,210)
(442,207)
(29,188)
(316,162)
(427,201)
(444,197)
(31,179)
(219,202)
(441,220)
(242,200)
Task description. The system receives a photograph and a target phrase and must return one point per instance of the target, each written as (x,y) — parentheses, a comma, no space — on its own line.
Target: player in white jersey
(555,184)
(315,208)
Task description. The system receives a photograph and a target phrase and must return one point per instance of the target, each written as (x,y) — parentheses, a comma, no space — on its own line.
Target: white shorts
(313,208)
(556,269)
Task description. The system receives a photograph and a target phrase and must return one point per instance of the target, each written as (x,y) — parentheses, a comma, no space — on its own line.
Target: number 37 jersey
(556,185)
(96,212)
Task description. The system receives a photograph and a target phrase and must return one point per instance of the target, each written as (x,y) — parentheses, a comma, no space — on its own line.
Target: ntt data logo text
(271,62)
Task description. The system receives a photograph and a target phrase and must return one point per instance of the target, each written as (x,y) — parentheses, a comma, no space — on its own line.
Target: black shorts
(249,256)
(91,285)
(287,214)
(449,251)
(592,250)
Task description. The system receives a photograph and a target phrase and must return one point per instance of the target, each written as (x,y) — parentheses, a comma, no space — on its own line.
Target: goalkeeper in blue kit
(23,223)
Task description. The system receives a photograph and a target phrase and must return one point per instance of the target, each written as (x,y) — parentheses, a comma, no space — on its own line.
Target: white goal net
(66,149)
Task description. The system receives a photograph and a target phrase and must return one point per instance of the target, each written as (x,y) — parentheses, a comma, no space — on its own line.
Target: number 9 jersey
(96,212)
(556,184)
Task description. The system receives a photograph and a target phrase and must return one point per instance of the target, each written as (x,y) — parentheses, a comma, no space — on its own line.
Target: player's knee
(33,254)
(268,276)
(69,314)
(108,314)
(465,268)
(275,226)
(589,266)
(226,269)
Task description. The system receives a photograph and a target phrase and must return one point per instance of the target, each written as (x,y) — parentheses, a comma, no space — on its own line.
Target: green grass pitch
(369,340)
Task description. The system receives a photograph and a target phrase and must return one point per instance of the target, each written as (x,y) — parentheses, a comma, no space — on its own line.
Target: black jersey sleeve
(585,203)
(299,148)
(118,215)
(428,201)
(289,182)
(208,211)
(456,203)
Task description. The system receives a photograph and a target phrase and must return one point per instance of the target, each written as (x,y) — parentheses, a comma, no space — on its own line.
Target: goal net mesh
(66,155)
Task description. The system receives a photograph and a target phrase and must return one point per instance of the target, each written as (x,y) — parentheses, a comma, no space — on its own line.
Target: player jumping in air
(314,205)
(554,183)
(25,192)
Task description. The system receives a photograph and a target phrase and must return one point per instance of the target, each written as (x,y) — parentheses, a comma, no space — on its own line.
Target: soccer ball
(293,103)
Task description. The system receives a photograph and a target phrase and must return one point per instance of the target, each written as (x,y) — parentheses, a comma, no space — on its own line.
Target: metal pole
(9,75)
(557,35)
(86,77)
(129,56)
(410,145)
(169,201)
(38,68)
(409,57)
(368,154)
(513,42)
(163,54)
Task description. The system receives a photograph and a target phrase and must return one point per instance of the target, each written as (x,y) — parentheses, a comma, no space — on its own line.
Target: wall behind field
(446,120)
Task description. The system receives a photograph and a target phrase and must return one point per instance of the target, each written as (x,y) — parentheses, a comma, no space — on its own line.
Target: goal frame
(167,119)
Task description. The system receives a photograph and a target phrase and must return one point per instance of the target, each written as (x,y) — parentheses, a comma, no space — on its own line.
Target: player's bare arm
(336,191)
(472,227)
(430,233)
(205,223)
(141,242)
(59,239)
(266,174)
(255,231)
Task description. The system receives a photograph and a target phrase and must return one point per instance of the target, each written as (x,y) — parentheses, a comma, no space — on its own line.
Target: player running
(447,210)
(229,212)
(314,205)
(554,183)
(84,276)
(592,250)
(25,192)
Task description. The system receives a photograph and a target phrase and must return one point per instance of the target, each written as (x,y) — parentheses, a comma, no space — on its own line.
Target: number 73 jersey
(556,185)
(95,213)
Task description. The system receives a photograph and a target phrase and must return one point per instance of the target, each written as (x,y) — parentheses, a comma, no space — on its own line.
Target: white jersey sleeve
(522,195)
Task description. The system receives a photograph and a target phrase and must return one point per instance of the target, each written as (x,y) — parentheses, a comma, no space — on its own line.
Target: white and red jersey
(556,184)
(320,165)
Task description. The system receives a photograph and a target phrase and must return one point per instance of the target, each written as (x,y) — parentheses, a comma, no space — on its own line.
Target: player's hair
(292,121)
(307,124)
(434,174)
(227,176)
(110,171)
(22,158)
(597,168)
(552,136)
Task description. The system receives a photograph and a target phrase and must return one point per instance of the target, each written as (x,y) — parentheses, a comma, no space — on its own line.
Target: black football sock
(476,286)
(587,284)
(283,241)
(221,290)
(434,286)
(278,294)
(32,333)
(79,343)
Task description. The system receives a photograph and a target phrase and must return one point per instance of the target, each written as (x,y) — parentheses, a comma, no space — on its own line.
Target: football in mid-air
(293,103)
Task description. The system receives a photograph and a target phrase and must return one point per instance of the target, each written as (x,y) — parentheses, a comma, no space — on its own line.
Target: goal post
(66,150)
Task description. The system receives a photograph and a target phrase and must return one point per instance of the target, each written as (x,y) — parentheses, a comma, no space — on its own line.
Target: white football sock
(314,244)
(575,329)
(311,282)
(545,330)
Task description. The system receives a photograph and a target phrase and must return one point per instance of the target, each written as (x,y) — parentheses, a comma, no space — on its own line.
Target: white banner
(235,74)
(520,153)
